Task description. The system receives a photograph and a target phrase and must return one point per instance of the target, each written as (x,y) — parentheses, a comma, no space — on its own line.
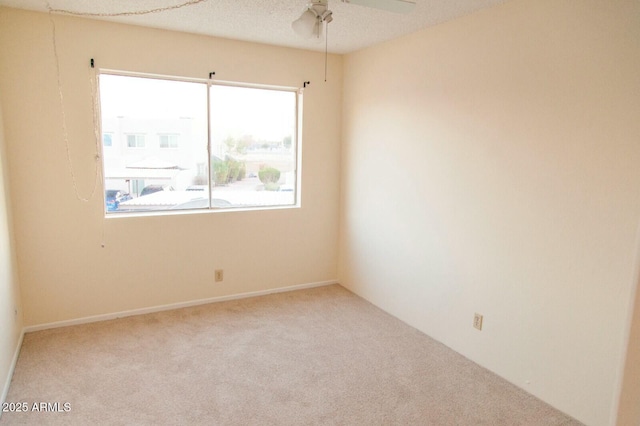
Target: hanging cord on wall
(326,51)
(93,84)
(65,132)
(97,129)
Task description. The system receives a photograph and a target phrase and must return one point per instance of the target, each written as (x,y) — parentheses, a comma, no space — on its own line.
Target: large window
(220,145)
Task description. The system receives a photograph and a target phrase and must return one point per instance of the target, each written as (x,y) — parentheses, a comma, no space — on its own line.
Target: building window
(135,141)
(221,145)
(107,139)
(168,141)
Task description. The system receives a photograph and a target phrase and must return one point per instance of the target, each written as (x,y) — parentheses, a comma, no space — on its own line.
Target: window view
(106,139)
(161,157)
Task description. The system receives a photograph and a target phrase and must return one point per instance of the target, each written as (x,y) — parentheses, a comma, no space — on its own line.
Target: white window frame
(296,140)
(170,137)
(139,137)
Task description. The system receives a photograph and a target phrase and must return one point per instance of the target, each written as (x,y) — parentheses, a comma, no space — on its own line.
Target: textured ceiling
(269,21)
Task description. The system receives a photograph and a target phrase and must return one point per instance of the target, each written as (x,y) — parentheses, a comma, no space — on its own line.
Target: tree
(286,142)
(221,172)
(238,146)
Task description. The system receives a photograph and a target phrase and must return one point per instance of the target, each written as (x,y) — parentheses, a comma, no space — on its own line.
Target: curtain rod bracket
(305,84)
(211,74)
(92,63)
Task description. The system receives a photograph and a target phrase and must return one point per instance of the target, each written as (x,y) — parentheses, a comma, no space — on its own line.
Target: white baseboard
(142,311)
(12,367)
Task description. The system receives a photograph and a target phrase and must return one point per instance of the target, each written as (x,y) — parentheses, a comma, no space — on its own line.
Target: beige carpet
(319,356)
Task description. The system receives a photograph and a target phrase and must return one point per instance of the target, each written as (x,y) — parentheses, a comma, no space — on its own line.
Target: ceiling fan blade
(398,6)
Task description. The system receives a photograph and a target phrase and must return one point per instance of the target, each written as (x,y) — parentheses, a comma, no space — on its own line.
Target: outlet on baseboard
(219,275)
(477,321)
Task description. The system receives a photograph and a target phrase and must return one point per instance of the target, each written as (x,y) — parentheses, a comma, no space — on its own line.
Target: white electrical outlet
(477,321)
(219,275)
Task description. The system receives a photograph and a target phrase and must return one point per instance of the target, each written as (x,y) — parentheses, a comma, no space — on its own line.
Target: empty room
(345,212)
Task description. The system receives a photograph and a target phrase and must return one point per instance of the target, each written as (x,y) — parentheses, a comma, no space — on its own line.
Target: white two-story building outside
(139,152)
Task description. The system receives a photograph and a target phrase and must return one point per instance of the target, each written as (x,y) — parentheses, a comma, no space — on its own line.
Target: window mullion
(211,171)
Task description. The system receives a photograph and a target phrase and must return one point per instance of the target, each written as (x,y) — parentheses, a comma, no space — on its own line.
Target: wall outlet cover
(477,321)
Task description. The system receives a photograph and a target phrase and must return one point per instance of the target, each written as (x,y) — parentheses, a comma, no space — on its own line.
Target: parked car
(113,198)
(150,189)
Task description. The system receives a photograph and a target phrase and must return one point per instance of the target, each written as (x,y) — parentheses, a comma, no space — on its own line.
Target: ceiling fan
(317,13)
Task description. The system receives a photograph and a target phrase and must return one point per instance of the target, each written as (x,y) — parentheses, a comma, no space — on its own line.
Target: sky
(235,111)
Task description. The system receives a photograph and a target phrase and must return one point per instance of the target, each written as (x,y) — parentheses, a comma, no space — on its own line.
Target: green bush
(242,173)
(221,172)
(269,175)
(234,170)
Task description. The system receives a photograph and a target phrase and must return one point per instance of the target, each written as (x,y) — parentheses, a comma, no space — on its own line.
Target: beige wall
(10,304)
(151,261)
(628,409)
(491,165)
